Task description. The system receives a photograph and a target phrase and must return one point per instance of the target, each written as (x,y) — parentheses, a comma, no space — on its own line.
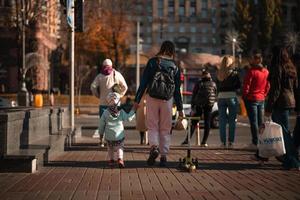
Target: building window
(204,30)
(160,8)
(213,40)
(149,8)
(193,39)
(7,3)
(213,30)
(204,40)
(204,4)
(182,8)
(181,29)
(171,8)
(193,29)
(171,29)
(204,13)
(149,40)
(193,8)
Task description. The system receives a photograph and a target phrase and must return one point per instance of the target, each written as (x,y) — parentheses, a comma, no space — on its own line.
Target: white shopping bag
(270,141)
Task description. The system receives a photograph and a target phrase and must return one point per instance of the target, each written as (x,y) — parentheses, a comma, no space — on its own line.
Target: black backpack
(162,85)
(206,94)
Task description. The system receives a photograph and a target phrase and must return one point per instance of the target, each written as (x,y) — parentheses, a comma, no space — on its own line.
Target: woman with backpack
(203,98)
(228,84)
(161,81)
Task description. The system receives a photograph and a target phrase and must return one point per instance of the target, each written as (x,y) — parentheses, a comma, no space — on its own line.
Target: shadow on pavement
(170,165)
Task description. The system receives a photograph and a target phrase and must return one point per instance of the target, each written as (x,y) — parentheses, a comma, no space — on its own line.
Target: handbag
(116,87)
(180,124)
(270,140)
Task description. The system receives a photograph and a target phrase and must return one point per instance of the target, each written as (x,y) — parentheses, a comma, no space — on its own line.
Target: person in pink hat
(103,84)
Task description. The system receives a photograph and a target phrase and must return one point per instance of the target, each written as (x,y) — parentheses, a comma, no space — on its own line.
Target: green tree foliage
(269,20)
(258,23)
(243,24)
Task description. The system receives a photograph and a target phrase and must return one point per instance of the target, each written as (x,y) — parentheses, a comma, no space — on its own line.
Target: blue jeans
(255,110)
(290,159)
(224,118)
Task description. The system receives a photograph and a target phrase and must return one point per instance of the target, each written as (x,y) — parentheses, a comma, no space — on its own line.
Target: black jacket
(231,84)
(204,93)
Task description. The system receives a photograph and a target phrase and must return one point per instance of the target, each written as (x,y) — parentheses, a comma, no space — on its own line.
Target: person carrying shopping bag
(161,82)
(281,100)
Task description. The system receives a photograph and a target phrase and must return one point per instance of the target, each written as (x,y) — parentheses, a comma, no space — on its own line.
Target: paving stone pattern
(223,174)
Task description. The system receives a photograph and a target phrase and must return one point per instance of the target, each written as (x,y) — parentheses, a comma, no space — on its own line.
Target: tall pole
(233,47)
(23,44)
(137,55)
(23,96)
(72,67)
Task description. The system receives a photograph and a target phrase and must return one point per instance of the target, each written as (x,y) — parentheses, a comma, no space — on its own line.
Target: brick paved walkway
(83,174)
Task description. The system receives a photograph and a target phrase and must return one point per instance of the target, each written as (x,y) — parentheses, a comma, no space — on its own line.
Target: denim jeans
(231,104)
(255,111)
(290,159)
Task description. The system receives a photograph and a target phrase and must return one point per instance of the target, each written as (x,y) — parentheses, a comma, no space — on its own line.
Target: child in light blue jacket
(111,123)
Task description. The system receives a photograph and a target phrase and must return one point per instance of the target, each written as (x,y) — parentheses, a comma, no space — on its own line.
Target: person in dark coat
(203,98)
(282,100)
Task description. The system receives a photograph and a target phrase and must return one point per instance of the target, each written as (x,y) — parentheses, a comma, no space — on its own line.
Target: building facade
(196,26)
(42,25)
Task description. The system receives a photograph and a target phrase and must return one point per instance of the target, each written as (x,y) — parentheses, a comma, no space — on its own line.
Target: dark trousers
(206,111)
(290,159)
(255,111)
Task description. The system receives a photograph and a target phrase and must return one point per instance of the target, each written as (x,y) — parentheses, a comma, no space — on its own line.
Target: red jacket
(256,84)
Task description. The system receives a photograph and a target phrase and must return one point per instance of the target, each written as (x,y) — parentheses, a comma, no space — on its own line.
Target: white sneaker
(204,145)
(96,134)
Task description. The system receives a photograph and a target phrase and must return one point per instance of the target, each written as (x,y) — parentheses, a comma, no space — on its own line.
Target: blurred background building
(42,24)
(199,29)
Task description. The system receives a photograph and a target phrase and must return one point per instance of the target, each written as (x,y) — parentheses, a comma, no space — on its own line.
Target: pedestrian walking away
(296,132)
(255,89)
(282,99)
(228,83)
(203,98)
(161,81)
(111,123)
(103,84)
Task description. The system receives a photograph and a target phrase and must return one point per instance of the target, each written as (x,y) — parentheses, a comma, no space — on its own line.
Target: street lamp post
(137,55)
(233,47)
(23,96)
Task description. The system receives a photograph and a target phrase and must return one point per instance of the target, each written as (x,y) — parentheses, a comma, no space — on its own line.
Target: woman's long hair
(281,61)
(167,48)
(225,68)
